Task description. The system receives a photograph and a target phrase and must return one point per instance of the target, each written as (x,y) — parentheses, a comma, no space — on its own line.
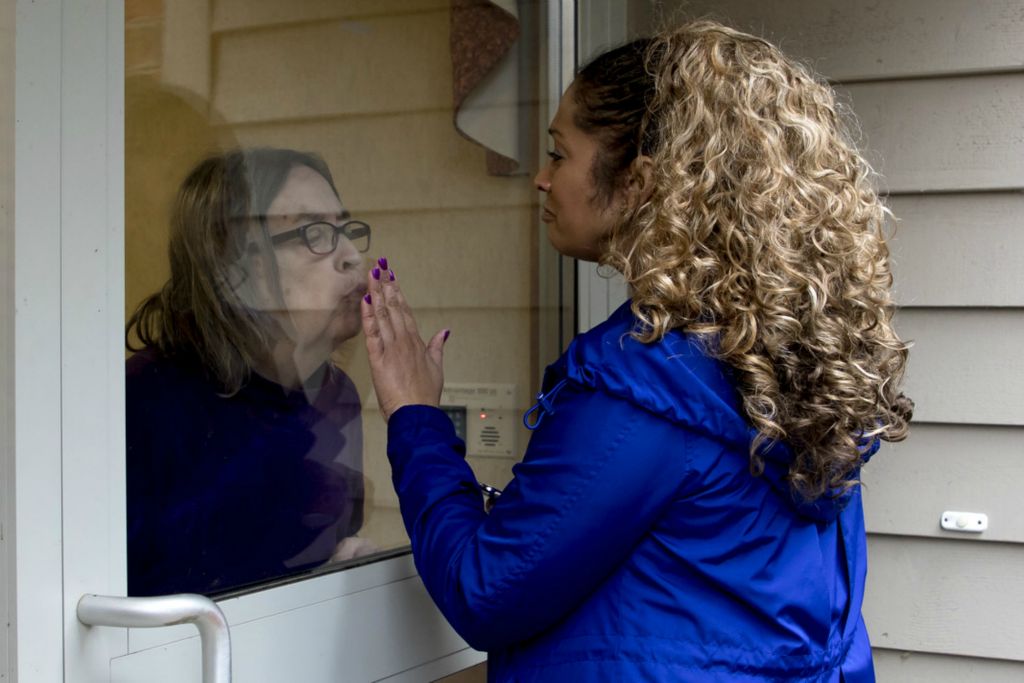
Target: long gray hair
(207,310)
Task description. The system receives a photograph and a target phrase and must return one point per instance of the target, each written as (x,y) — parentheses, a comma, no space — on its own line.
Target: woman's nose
(346,256)
(542,180)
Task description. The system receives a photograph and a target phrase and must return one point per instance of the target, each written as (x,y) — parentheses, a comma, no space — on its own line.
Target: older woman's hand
(352,547)
(405,371)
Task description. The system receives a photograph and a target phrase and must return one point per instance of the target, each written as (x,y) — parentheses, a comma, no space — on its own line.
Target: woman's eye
(317,235)
(555,156)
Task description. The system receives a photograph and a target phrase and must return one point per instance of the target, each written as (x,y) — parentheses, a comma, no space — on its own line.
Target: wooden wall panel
(959,249)
(945,467)
(233,15)
(401,162)
(895,666)
(943,134)
(374,66)
(966,365)
(950,597)
(857,40)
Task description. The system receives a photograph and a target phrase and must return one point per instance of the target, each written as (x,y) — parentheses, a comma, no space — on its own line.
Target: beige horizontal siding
(959,249)
(267,75)
(944,134)
(233,15)
(495,247)
(966,365)
(947,467)
(877,40)
(486,345)
(946,597)
(401,162)
(187,46)
(896,666)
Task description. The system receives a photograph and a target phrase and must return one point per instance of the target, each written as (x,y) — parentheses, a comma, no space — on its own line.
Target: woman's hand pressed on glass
(405,370)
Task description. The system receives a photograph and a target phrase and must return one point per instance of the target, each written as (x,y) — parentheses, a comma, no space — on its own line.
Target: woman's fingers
(381,314)
(370,327)
(387,315)
(374,342)
(435,349)
(405,371)
(398,307)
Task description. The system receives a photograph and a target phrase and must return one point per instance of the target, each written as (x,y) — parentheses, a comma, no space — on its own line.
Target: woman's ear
(641,181)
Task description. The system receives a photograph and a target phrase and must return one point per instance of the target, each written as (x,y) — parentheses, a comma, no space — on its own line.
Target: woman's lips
(547,216)
(351,298)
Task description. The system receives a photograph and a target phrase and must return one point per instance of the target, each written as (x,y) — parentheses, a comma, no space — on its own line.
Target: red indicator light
(483,416)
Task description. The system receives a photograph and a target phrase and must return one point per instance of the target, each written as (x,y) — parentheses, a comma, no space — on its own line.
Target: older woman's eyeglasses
(321,237)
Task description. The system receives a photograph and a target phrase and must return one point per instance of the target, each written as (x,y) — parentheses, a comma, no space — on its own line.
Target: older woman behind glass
(244,442)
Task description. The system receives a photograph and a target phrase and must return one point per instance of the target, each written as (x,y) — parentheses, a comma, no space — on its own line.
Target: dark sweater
(224,492)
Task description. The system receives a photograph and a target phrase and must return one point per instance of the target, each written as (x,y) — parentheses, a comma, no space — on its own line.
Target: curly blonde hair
(763,235)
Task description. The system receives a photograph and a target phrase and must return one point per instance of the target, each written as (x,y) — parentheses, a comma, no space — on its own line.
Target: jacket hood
(676,379)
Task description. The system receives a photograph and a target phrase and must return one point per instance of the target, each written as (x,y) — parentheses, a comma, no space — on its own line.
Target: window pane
(256,452)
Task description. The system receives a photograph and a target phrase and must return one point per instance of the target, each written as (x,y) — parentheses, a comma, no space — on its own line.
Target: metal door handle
(168,610)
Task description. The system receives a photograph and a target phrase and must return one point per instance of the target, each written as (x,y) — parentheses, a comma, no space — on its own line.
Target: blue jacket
(633,544)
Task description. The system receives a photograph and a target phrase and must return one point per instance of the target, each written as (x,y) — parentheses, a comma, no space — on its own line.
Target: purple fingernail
(383,263)
(446,333)
(366,298)
(375,273)
(392,274)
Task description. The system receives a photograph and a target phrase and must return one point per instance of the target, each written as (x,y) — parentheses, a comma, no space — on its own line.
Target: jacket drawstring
(543,406)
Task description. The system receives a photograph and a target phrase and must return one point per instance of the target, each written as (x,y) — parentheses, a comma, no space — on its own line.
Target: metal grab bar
(168,610)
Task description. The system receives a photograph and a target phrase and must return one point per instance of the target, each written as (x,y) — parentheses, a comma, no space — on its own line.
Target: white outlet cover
(964,522)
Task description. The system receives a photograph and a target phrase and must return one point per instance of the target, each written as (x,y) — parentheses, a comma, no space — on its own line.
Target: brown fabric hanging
(481,35)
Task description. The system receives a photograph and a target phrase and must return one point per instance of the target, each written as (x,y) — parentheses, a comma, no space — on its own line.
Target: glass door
(222,173)
(601,25)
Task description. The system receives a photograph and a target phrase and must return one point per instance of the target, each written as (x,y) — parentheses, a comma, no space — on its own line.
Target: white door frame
(38,642)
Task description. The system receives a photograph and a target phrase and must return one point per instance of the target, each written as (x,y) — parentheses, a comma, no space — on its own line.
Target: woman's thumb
(436,346)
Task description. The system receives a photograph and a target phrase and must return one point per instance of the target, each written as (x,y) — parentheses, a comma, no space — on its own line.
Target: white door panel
(373,622)
(367,635)
(273,602)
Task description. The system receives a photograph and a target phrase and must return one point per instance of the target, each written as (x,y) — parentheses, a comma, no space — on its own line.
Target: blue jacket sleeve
(596,477)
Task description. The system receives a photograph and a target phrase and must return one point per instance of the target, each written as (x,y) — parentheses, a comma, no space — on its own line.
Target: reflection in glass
(322,238)
(244,454)
(428,114)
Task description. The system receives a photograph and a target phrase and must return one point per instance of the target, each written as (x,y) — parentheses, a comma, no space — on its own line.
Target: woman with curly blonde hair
(689,507)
